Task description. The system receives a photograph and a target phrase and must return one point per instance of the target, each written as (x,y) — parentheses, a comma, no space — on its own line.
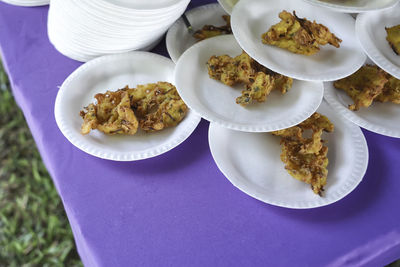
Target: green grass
(34,230)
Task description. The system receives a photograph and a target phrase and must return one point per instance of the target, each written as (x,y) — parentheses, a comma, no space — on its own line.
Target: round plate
(254,166)
(252,18)
(354,6)
(178,37)
(228,5)
(381,118)
(216,102)
(110,73)
(370,28)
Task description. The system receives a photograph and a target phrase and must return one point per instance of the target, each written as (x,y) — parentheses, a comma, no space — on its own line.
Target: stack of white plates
(27,2)
(83,30)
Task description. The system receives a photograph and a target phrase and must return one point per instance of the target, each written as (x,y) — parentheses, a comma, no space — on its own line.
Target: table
(178,209)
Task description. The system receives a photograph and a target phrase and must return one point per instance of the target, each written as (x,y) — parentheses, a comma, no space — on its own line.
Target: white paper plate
(216,102)
(254,166)
(370,28)
(252,18)
(228,5)
(381,118)
(110,73)
(354,6)
(178,37)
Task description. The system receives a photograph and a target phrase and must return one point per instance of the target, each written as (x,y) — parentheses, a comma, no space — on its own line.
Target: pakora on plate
(393,37)
(157,106)
(370,83)
(242,69)
(299,36)
(306,158)
(151,107)
(111,115)
(209,31)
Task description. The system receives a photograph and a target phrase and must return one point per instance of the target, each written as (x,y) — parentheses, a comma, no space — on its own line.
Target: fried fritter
(299,36)
(363,86)
(209,31)
(391,91)
(222,68)
(242,69)
(157,105)
(393,37)
(306,158)
(111,115)
(257,91)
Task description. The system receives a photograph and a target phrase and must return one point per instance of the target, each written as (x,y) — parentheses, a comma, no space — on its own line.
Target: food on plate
(242,69)
(111,115)
(306,158)
(258,90)
(299,36)
(393,37)
(368,84)
(152,107)
(157,106)
(391,91)
(209,31)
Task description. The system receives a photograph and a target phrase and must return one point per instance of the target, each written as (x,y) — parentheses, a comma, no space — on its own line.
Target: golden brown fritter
(209,31)
(157,106)
(222,68)
(242,69)
(393,37)
(299,36)
(391,91)
(363,86)
(306,158)
(257,91)
(111,115)
(153,107)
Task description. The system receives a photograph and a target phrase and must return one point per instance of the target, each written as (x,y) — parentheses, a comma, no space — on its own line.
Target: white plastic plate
(252,18)
(370,28)
(251,162)
(216,102)
(111,73)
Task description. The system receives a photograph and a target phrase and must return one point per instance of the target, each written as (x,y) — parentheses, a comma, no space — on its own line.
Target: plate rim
(356,176)
(194,120)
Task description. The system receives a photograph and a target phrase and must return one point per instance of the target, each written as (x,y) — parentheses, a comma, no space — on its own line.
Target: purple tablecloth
(178,209)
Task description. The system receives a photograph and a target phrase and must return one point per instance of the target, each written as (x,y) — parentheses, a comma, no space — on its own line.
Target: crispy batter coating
(157,105)
(153,107)
(209,31)
(111,115)
(258,90)
(363,86)
(306,158)
(242,69)
(299,36)
(391,91)
(222,68)
(393,37)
